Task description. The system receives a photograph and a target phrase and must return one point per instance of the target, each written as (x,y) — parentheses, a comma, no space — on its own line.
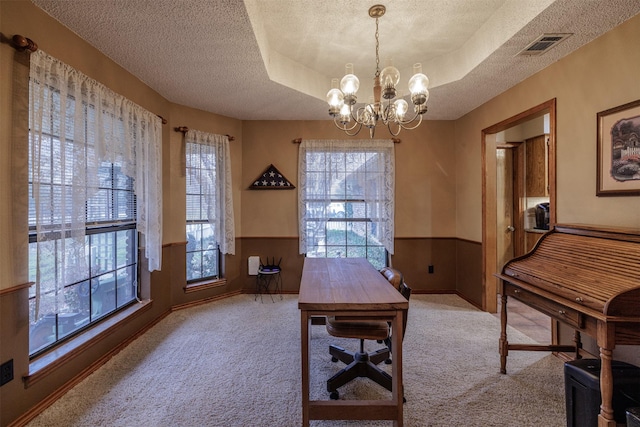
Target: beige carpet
(236,362)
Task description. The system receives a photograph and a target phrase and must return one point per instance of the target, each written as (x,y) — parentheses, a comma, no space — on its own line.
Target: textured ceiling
(274,59)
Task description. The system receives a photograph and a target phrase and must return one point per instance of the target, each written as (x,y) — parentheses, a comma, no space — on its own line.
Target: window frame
(340,198)
(218,255)
(202,222)
(104,227)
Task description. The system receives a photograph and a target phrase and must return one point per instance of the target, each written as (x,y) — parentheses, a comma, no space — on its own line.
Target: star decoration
(271,178)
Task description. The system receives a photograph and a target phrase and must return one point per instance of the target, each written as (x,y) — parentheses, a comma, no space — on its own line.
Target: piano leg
(504,344)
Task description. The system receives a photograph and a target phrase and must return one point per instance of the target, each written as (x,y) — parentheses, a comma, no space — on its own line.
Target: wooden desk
(585,277)
(350,287)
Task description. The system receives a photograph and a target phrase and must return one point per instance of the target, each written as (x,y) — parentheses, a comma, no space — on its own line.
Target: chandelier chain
(377,51)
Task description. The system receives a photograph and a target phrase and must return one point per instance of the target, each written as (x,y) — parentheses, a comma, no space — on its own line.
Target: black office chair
(362,364)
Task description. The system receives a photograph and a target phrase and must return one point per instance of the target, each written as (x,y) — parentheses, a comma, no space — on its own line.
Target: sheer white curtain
(217,206)
(346,170)
(76,124)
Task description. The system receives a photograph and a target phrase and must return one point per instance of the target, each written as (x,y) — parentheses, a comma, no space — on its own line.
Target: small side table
(268,275)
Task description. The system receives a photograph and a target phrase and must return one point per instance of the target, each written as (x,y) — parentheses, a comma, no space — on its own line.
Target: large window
(346,199)
(94,186)
(105,281)
(209,213)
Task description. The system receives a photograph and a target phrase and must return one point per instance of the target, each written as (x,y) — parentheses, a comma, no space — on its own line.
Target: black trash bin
(633,417)
(582,391)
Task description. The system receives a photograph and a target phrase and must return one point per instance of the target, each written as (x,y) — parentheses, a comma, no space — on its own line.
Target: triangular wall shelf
(271,179)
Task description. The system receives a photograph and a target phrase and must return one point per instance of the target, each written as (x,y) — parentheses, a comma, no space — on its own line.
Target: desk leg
(606,344)
(304,337)
(577,339)
(396,367)
(504,344)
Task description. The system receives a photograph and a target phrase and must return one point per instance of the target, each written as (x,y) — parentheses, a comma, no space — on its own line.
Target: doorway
(490,232)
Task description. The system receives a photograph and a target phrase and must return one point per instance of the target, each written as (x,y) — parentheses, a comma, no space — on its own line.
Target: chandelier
(393,114)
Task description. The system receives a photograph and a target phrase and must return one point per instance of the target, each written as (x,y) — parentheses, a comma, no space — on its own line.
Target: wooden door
(504,207)
(537,160)
(510,206)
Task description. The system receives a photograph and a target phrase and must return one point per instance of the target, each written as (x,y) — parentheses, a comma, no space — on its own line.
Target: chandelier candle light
(342,97)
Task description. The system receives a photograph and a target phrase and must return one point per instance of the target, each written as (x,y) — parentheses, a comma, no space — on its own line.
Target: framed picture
(618,150)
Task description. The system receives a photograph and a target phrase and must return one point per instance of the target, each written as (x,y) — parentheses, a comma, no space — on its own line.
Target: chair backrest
(396,279)
(393,276)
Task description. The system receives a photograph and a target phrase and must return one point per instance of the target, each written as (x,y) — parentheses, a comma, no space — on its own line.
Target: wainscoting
(457,264)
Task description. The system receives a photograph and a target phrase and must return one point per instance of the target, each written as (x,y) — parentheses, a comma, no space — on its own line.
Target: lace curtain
(76,124)
(218,201)
(367,166)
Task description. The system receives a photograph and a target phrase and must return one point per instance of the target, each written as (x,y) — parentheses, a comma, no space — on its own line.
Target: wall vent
(543,44)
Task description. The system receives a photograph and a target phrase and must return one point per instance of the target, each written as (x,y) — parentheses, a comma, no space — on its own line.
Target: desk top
(595,271)
(351,284)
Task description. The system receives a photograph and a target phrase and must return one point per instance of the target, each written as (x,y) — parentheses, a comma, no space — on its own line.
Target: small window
(203,255)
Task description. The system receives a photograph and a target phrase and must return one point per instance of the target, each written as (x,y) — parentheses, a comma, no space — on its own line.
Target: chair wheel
(334,395)
(388,362)
(334,359)
(404,399)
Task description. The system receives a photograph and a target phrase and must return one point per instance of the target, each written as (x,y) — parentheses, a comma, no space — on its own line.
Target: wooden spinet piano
(588,278)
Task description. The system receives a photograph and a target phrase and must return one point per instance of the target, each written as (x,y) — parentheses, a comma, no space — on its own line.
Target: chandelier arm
(385,114)
(347,130)
(354,117)
(344,127)
(354,133)
(404,124)
(391,130)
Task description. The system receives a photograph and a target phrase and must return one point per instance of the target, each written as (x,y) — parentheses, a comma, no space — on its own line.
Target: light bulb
(345,114)
(335,98)
(350,85)
(418,85)
(401,107)
(389,78)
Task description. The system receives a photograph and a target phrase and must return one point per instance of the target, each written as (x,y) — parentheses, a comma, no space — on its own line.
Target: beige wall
(425,177)
(599,76)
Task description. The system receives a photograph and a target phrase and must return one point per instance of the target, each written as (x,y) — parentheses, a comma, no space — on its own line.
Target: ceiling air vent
(543,43)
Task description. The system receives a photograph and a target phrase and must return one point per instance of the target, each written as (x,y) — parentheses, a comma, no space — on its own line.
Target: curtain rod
(395,140)
(22,43)
(184,129)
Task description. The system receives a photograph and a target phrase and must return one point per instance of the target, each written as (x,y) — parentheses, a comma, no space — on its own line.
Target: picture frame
(618,151)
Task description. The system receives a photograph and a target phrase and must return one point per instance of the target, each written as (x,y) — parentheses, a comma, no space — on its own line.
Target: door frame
(489,257)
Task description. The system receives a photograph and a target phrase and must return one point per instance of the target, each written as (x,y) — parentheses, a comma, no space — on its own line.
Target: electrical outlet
(431,269)
(6,372)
